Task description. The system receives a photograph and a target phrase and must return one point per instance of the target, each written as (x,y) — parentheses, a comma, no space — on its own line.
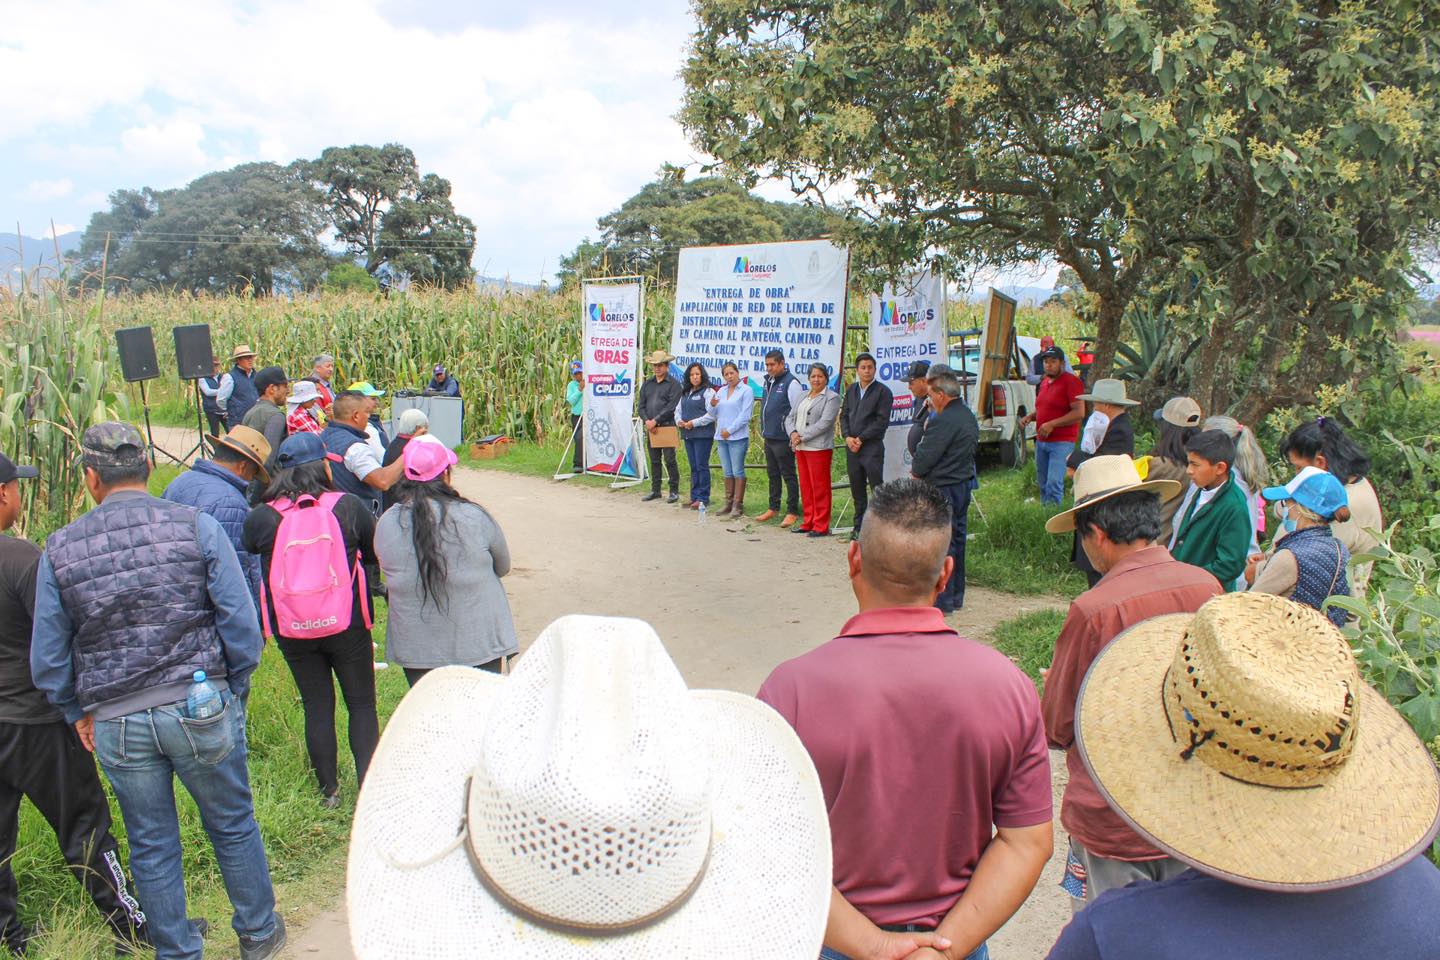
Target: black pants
(218,424)
(413,674)
(780,463)
(46,763)
(866,470)
(672,466)
(579,435)
(350,658)
(953,596)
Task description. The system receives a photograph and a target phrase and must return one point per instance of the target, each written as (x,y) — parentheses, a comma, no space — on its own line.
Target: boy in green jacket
(1214,528)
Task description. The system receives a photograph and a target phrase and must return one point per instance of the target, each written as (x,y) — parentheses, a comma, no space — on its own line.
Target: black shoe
(267,948)
(652,495)
(819,533)
(673,498)
(799,529)
(331,801)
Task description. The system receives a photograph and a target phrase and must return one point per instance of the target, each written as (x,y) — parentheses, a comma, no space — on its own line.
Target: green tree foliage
(397,220)
(646,233)
(345,276)
(255,226)
(1275,164)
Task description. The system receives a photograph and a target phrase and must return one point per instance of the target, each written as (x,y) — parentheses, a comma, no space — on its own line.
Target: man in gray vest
(118,663)
(783,393)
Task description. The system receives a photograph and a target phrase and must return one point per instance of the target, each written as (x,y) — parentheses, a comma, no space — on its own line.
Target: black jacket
(946,453)
(919,413)
(1119,438)
(867,417)
(658,399)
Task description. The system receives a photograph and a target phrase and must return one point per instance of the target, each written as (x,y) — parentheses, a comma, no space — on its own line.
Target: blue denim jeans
(141,754)
(981,952)
(732,456)
(697,451)
(1050,457)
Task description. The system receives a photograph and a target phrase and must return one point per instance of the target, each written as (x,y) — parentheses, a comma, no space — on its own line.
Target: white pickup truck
(993,362)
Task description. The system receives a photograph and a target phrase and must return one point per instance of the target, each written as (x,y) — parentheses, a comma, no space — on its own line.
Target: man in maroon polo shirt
(925,743)
(1118,519)
(1057,416)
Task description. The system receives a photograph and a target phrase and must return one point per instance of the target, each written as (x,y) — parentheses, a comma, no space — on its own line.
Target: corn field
(56,360)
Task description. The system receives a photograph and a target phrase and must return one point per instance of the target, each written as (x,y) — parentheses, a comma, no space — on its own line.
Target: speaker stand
(150,433)
(199,450)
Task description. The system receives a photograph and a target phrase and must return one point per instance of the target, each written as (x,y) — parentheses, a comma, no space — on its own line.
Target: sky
(544,115)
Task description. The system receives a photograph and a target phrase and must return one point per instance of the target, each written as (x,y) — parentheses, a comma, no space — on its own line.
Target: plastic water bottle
(701,513)
(203,701)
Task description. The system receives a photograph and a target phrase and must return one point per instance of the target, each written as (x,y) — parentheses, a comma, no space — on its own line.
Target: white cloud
(49,189)
(541,126)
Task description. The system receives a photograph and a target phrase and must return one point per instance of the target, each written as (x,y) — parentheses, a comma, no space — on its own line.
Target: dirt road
(651,566)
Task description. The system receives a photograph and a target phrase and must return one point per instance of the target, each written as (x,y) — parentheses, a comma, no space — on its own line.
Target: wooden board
(997,341)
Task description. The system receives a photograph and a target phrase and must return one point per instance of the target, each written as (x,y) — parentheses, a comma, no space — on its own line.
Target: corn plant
(56,361)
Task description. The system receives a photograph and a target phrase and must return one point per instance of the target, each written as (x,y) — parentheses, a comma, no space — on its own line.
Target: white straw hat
(588,805)
(1103,477)
(302,391)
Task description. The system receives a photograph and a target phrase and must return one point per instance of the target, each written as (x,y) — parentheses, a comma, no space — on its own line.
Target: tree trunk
(1107,334)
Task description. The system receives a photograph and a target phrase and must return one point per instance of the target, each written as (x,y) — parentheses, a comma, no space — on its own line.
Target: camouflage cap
(113,445)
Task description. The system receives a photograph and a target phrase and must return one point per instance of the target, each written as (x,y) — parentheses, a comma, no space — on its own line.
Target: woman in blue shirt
(733,404)
(696,419)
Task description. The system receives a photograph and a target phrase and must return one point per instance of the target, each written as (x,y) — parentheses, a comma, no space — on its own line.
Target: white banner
(611,328)
(739,302)
(906,325)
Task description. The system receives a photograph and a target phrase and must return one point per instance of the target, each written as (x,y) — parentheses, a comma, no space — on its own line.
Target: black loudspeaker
(137,354)
(193,352)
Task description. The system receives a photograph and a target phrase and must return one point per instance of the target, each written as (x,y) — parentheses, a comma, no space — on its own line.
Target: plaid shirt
(301,420)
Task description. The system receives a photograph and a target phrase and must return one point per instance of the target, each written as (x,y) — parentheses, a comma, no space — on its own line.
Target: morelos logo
(597,312)
(743,265)
(313,624)
(891,316)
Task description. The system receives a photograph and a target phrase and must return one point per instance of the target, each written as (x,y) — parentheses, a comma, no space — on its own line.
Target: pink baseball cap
(426,458)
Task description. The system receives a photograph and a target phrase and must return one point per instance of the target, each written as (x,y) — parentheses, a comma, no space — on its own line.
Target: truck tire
(1012,451)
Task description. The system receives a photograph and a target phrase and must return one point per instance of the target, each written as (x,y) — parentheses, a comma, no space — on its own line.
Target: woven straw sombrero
(588,805)
(1101,478)
(1243,741)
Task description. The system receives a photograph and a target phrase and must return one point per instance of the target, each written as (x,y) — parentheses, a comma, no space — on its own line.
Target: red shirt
(1148,583)
(924,741)
(1052,401)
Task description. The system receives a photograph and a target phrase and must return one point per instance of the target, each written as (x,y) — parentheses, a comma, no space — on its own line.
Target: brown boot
(739,511)
(767,516)
(724,511)
(789,519)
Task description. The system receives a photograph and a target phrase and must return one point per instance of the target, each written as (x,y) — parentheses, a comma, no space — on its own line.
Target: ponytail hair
(1343,458)
(430,503)
(1250,460)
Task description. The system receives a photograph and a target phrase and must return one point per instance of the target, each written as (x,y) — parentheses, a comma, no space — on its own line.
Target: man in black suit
(863,421)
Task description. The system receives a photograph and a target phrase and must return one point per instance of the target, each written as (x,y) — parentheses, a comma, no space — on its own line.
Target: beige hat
(1181,412)
(588,805)
(1101,478)
(1244,742)
(660,356)
(251,444)
(1109,391)
(241,352)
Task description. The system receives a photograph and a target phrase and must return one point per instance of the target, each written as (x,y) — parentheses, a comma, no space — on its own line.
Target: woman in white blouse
(812,437)
(733,403)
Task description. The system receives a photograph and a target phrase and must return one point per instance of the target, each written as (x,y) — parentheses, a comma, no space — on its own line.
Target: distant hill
(38,252)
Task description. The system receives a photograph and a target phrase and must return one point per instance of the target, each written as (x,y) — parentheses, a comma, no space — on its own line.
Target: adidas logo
(313,624)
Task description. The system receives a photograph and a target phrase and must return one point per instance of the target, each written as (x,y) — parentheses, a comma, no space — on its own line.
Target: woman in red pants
(812,437)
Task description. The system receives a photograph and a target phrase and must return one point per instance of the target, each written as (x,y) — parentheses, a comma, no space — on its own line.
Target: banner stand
(565,454)
(642,462)
(612,320)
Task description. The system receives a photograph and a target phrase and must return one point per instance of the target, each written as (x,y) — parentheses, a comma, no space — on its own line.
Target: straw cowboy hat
(1109,391)
(588,805)
(241,352)
(660,356)
(250,444)
(1101,478)
(1243,741)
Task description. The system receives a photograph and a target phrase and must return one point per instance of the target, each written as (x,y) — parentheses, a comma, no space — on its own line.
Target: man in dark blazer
(864,418)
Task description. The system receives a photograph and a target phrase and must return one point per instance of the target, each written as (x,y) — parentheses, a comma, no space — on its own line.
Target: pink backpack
(310,586)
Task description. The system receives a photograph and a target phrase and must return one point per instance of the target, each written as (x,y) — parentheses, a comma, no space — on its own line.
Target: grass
(1008,548)
(306,844)
(1029,640)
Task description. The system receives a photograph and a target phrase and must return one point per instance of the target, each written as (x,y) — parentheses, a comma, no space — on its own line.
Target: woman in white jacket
(812,437)
(733,404)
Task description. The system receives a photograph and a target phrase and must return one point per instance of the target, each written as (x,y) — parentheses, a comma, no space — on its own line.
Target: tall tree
(1274,163)
(255,226)
(647,231)
(398,221)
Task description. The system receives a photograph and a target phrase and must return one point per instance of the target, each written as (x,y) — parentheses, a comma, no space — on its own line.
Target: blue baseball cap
(299,449)
(576,367)
(1314,489)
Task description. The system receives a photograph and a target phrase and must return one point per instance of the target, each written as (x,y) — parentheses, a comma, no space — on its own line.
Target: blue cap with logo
(299,449)
(1318,491)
